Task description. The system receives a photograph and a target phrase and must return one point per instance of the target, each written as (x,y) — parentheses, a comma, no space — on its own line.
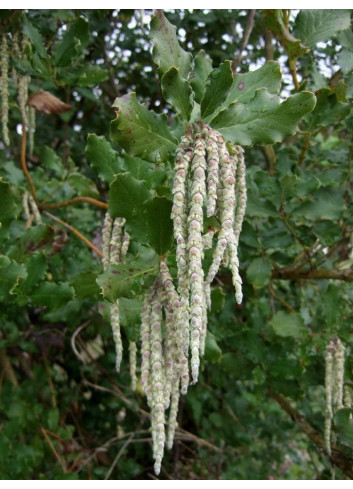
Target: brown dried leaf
(47,103)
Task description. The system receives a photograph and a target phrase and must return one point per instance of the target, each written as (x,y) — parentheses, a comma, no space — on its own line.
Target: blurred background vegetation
(258,410)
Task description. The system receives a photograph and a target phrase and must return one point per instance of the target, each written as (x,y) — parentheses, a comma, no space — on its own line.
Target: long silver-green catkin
(132,363)
(179,215)
(329,379)
(116,241)
(125,245)
(338,375)
(4,89)
(23,81)
(23,96)
(212,171)
(15,52)
(31,116)
(115,324)
(157,381)
(171,302)
(173,413)
(145,342)
(106,237)
(196,252)
(240,191)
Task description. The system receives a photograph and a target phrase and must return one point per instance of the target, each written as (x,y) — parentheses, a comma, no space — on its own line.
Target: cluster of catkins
(337,394)
(115,243)
(211,174)
(209,179)
(16,46)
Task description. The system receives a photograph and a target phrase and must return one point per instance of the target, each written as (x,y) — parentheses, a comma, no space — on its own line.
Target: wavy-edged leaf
(177,92)
(312,26)
(343,426)
(159,223)
(128,280)
(130,317)
(73,43)
(33,240)
(141,132)
(263,120)
(85,285)
(11,274)
(92,75)
(202,68)
(167,51)
(152,174)
(259,272)
(289,325)
(217,88)
(126,196)
(244,85)
(52,295)
(103,158)
(275,22)
(34,36)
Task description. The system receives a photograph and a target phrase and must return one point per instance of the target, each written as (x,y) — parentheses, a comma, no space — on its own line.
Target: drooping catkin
(334,384)
(132,363)
(31,116)
(114,248)
(209,179)
(4,89)
(23,81)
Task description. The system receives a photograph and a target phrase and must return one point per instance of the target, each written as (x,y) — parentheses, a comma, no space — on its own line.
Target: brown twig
(24,164)
(75,232)
(57,456)
(281,301)
(6,369)
(307,137)
(247,32)
(120,452)
(318,274)
(337,457)
(90,200)
(293,71)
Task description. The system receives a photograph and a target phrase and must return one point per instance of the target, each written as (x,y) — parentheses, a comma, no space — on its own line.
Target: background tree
(263,398)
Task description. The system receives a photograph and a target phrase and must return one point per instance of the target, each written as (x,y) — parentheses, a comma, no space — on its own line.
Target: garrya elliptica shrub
(207,208)
(207,174)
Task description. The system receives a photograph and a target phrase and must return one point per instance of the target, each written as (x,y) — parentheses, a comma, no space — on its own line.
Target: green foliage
(140,131)
(65,412)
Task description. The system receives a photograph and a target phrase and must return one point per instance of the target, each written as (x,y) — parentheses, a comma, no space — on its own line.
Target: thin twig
(24,164)
(75,232)
(293,70)
(281,301)
(57,456)
(247,32)
(307,137)
(90,200)
(120,452)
